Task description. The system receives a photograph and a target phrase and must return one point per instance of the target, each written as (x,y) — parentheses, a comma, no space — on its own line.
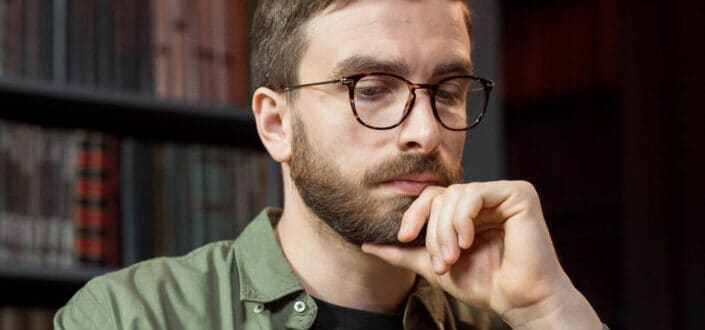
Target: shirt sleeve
(84,311)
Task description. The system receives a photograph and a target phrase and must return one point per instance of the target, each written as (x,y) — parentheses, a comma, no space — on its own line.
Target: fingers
(466,212)
(432,242)
(453,216)
(416,215)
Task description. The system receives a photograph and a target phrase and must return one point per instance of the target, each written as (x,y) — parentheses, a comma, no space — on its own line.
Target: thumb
(415,259)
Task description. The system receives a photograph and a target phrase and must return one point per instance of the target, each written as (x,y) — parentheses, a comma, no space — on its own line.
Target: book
(237,56)
(59,41)
(13,63)
(143,48)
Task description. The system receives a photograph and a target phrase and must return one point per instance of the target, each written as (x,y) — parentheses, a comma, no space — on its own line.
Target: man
(366,105)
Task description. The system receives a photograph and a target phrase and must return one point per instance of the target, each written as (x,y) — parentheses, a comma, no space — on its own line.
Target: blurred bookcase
(125,133)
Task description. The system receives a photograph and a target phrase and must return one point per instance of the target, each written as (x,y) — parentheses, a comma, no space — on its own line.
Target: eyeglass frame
(351,81)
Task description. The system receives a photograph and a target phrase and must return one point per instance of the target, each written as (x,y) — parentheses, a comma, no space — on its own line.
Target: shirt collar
(265,275)
(263,271)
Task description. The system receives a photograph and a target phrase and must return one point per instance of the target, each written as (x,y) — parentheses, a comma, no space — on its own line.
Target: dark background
(604,113)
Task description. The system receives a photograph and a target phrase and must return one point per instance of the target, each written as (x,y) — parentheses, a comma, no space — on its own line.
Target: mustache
(408,164)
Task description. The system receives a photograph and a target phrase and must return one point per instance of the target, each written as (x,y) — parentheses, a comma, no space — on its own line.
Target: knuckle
(437,202)
(527,189)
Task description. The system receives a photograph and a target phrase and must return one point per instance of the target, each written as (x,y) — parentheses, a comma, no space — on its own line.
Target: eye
(449,96)
(372,89)
(452,92)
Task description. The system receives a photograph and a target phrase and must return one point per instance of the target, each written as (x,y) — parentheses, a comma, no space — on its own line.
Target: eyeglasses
(383,100)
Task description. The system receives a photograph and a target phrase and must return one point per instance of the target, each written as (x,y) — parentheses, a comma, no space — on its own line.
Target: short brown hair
(278,42)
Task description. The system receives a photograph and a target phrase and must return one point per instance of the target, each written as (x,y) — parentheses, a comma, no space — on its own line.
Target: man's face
(358,180)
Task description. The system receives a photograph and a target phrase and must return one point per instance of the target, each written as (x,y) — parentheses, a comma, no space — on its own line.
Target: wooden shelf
(20,284)
(125,114)
(73,275)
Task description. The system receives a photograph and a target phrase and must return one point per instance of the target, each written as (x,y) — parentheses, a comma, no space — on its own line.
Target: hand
(487,244)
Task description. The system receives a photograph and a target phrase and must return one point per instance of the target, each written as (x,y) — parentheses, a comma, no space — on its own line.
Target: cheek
(454,142)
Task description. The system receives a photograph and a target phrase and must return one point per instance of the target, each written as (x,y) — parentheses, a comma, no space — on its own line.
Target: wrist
(567,309)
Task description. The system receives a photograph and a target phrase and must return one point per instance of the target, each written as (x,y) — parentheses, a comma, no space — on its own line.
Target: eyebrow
(366,64)
(444,69)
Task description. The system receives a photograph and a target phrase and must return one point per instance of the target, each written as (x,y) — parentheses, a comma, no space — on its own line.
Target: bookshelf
(167,82)
(126,114)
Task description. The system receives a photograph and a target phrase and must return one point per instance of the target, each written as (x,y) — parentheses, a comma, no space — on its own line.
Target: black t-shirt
(342,318)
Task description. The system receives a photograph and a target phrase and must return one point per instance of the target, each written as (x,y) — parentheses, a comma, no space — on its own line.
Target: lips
(413,184)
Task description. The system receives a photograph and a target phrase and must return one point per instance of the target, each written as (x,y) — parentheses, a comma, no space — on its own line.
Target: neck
(336,271)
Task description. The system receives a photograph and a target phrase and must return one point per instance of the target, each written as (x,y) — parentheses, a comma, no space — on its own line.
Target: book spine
(136,201)
(66,199)
(3,35)
(159,241)
(220,51)
(162,52)
(204,50)
(128,209)
(22,222)
(88,43)
(4,179)
(90,191)
(111,181)
(13,51)
(169,174)
(196,184)
(59,42)
(237,56)
(144,47)
(36,227)
(176,28)
(192,30)
(127,50)
(182,195)
(45,24)
(73,43)
(31,39)
(215,198)
(105,53)
(56,141)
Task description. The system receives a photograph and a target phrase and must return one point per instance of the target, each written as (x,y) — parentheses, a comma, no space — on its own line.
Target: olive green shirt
(242,284)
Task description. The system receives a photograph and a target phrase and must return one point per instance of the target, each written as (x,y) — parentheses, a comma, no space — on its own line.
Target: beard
(346,204)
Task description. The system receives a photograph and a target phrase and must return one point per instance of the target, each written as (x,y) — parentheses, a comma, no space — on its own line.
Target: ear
(269,108)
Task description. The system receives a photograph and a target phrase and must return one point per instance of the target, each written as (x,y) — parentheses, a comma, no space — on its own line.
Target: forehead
(414,37)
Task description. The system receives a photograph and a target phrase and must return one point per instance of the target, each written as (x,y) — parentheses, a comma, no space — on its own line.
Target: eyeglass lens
(381,100)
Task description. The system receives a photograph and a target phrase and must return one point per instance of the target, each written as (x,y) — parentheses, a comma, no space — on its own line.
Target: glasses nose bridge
(430,88)
(411,101)
(413,87)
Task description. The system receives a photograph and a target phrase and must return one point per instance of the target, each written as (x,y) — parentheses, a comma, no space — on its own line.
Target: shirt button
(299,306)
(259,308)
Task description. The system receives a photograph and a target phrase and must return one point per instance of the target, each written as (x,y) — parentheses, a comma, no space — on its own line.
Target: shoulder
(153,292)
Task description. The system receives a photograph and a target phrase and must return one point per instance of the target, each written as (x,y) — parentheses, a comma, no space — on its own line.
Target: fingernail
(446,252)
(461,240)
(437,263)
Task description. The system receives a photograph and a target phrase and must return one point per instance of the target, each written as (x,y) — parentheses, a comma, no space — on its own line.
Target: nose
(420,131)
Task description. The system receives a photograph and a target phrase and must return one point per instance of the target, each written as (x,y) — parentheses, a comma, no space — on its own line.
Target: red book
(89,217)
(97,206)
